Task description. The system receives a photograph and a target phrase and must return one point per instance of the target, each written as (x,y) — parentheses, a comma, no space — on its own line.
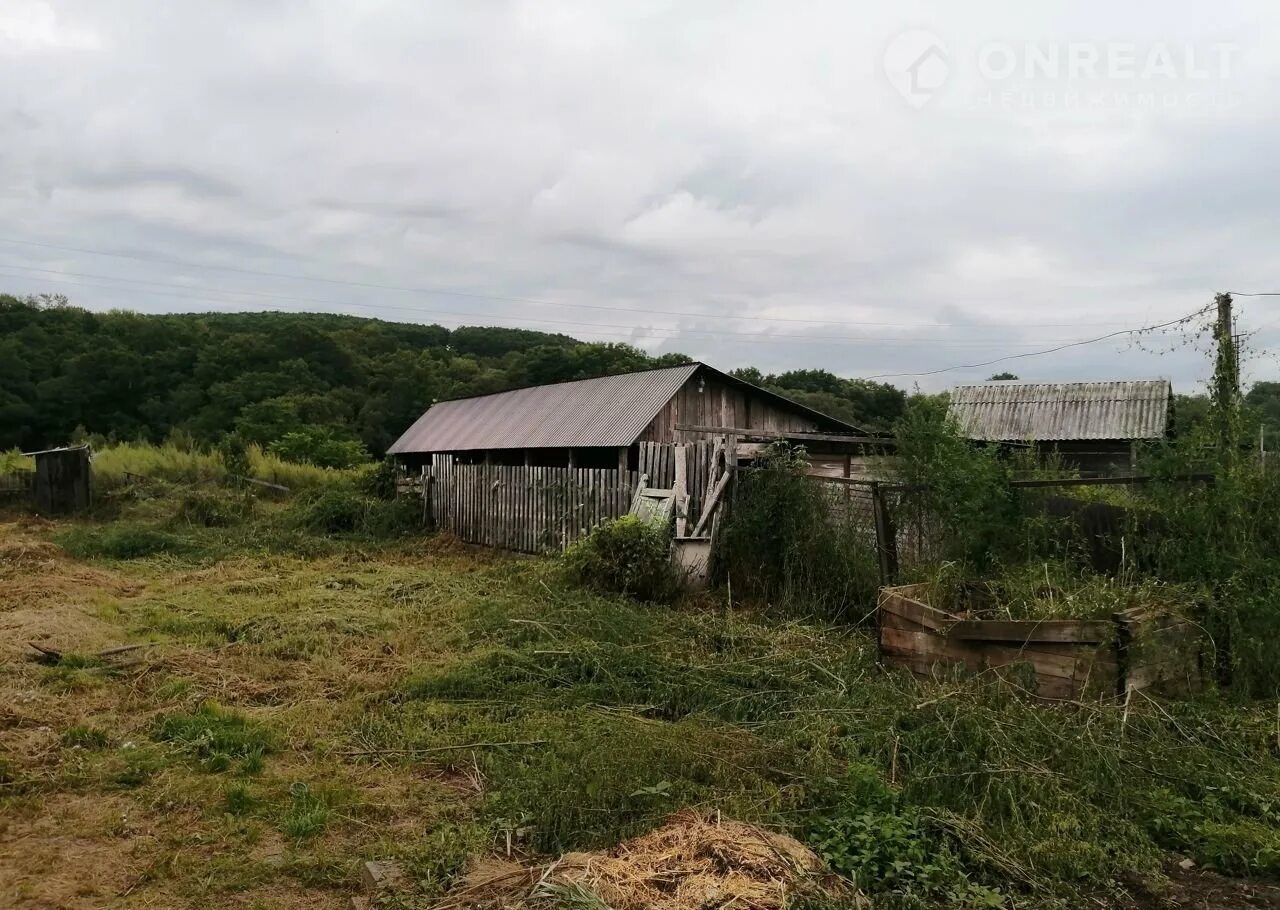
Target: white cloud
(27,26)
(739,163)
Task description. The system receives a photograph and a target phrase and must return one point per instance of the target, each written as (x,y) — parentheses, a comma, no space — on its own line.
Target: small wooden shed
(63,481)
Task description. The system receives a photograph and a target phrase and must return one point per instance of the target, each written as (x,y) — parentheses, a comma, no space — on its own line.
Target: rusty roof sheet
(1060,411)
(605,411)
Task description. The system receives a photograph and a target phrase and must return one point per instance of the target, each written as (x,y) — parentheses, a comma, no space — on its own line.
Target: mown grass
(383,699)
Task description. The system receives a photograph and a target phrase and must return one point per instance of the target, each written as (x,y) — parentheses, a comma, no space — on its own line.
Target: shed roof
(78,448)
(1061,411)
(605,411)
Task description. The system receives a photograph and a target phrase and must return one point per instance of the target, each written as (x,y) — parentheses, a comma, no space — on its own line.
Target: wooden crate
(1065,658)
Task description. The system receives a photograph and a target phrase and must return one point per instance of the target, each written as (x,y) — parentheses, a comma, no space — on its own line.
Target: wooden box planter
(1136,649)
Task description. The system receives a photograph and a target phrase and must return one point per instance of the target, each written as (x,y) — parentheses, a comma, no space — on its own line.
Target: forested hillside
(321,377)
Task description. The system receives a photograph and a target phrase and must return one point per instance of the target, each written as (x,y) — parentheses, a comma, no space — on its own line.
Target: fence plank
(543,509)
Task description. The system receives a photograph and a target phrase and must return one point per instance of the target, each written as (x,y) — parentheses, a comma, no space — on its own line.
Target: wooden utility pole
(1226,379)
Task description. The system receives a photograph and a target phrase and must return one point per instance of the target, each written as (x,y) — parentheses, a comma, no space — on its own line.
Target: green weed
(216,736)
(86,737)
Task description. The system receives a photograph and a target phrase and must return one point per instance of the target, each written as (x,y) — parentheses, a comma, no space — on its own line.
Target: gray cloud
(746,165)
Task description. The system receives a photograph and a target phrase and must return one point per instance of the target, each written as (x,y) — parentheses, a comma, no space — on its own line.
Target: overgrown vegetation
(626,556)
(799,545)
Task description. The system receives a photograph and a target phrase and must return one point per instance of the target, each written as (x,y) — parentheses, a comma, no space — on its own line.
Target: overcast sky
(870,188)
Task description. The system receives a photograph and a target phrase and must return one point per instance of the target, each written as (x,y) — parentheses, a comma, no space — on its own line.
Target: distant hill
(128,375)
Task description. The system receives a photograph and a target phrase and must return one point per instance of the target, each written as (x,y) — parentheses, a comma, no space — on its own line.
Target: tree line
(331,388)
(318,386)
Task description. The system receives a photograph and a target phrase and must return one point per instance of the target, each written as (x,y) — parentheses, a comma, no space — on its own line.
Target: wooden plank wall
(720,405)
(1072,662)
(1070,659)
(543,509)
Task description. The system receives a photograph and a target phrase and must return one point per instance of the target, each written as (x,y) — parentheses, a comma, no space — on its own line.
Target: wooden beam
(785,434)
(713,499)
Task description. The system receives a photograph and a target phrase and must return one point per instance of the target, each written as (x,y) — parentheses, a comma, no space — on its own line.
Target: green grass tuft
(215,735)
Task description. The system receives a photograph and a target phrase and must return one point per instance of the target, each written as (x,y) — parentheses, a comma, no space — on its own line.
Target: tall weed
(798,545)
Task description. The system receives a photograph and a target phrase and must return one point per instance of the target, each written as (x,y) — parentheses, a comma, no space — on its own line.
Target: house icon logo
(917,63)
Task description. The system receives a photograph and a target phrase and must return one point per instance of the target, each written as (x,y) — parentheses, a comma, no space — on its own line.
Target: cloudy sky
(871,188)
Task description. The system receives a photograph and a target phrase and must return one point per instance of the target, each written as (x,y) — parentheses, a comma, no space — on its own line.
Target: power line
(506,298)
(588,327)
(1062,347)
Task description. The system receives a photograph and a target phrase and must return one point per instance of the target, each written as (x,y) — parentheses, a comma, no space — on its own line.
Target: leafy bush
(958,490)
(320,446)
(379,481)
(344,511)
(330,512)
(625,556)
(234,451)
(793,542)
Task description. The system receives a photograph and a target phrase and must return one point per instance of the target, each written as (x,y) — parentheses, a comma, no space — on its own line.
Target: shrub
(793,542)
(333,511)
(959,491)
(392,518)
(625,556)
(234,450)
(343,511)
(320,446)
(379,481)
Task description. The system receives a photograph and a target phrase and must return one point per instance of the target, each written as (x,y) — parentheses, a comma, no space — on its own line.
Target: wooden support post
(681,488)
(622,461)
(886,538)
(428,513)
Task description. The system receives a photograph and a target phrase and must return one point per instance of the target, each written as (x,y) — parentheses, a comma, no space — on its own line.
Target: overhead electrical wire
(1054,350)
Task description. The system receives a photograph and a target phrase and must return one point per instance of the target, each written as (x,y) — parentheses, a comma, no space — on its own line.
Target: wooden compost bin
(1136,649)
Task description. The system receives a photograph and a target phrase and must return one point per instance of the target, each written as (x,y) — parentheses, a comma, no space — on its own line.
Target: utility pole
(1226,380)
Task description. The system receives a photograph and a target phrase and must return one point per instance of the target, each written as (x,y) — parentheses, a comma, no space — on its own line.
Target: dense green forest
(322,380)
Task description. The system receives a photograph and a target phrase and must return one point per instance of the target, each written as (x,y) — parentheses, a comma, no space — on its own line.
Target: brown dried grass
(693,862)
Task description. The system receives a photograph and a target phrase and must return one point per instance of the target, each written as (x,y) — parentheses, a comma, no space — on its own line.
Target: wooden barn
(1094,427)
(600,423)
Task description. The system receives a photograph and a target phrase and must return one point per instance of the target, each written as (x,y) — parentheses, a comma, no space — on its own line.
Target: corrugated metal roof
(606,411)
(1060,411)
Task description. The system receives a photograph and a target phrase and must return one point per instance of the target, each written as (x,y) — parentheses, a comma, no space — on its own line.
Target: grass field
(303,703)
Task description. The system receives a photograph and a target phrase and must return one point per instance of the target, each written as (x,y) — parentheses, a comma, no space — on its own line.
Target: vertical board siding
(544,510)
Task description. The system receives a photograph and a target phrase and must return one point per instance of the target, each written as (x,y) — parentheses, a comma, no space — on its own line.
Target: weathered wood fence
(545,509)
(17,485)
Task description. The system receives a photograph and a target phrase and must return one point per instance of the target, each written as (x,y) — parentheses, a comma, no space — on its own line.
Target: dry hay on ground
(693,862)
